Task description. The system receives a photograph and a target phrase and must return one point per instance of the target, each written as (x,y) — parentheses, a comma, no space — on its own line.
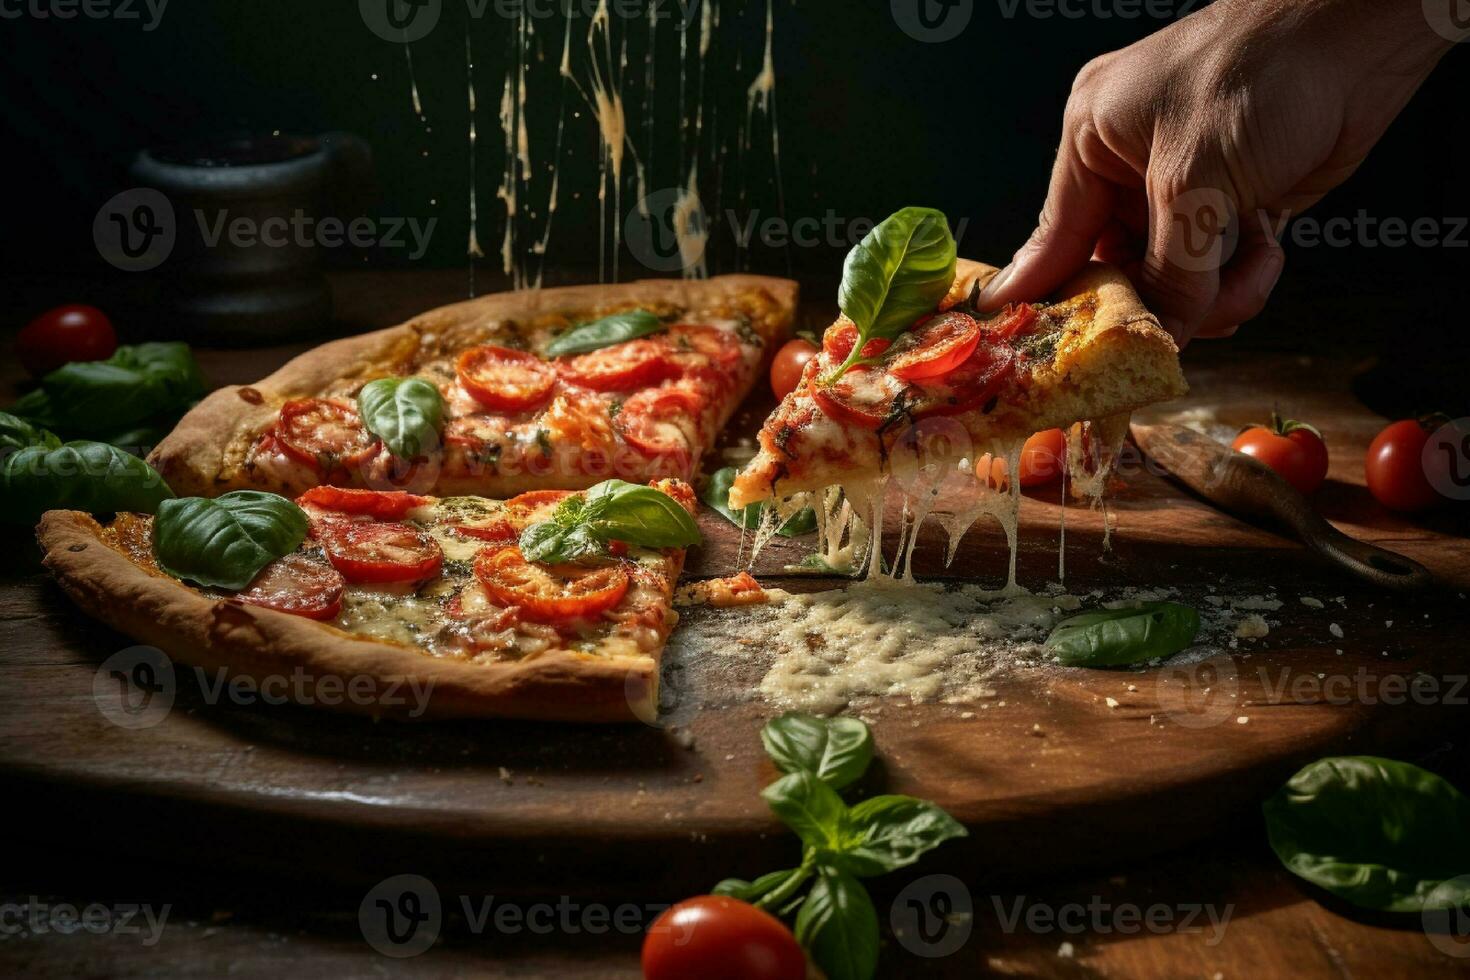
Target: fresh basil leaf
(137,383)
(1379,833)
(839,927)
(885,833)
(835,750)
(808,806)
(609,330)
(17,433)
(1119,637)
(896,274)
(404,412)
(717,497)
(171,363)
(641,515)
(552,544)
(87,476)
(227,540)
(752,891)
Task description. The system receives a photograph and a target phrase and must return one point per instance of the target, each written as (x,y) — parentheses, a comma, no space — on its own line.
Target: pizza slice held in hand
(550,605)
(913,373)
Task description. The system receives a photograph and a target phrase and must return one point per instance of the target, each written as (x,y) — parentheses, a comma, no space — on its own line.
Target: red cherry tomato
(621,367)
(790,361)
(859,398)
(1291,448)
(935,347)
(549,593)
(503,379)
(384,505)
(651,421)
(1043,458)
(533,506)
(374,551)
(65,334)
(697,347)
(1395,468)
(297,584)
(968,386)
(714,937)
(839,339)
(1011,322)
(324,434)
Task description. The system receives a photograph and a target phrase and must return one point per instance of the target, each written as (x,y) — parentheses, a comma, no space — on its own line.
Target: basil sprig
(1379,833)
(403,412)
(614,329)
(111,399)
(896,274)
(716,496)
(16,433)
(835,920)
(87,476)
(225,541)
(1120,637)
(613,510)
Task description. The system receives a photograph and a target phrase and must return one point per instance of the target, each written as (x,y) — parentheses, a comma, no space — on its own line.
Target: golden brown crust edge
(198,458)
(214,634)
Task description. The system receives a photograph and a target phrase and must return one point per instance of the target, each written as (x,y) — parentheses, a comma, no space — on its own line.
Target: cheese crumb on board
(1312,603)
(1252,627)
(1335,630)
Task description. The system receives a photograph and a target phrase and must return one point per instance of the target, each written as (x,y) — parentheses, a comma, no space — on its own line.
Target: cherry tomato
(935,347)
(503,379)
(839,339)
(968,386)
(714,937)
(1291,448)
(633,364)
(650,421)
(65,334)
(497,532)
(549,593)
(863,399)
(297,584)
(1043,458)
(323,433)
(1395,468)
(698,345)
(791,360)
(1011,322)
(374,551)
(384,505)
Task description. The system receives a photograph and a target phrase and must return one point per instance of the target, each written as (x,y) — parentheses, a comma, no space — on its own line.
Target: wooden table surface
(1217,907)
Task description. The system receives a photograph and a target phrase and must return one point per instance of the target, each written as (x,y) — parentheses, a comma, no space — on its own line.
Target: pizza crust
(205,453)
(248,641)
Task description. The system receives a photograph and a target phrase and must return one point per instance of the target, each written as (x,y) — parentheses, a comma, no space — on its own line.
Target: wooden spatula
(1249,489)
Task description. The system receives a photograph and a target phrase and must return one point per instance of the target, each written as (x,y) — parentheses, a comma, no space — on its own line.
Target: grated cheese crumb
(1335,630)
(1252,627)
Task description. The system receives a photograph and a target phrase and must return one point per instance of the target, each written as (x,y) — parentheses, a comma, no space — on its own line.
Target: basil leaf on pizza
(87,476)
(896,274)
(1121,637)
(613,510)
(403,412)
(225,541)
(716,496)
(614,329)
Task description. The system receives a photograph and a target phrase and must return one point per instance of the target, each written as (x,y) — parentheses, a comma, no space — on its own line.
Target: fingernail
(1270,272)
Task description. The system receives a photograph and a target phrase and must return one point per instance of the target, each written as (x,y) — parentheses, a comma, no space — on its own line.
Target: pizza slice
(960,384)
(539,389)
(398,604)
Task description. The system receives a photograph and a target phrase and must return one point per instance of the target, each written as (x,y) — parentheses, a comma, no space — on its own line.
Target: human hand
(1184,155)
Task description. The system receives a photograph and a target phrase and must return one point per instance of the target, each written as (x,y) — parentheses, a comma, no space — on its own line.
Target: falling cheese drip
(473,248)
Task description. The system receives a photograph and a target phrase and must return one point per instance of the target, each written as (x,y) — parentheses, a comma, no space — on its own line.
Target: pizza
(510,418)
(977,383)
(389,589)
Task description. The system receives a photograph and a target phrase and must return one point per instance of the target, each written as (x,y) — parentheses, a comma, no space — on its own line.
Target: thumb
(1079,203)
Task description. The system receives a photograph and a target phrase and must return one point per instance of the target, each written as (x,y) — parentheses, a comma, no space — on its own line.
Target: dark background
(870,120)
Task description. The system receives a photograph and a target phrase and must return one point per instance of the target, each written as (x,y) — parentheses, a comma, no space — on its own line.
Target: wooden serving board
(1058,769)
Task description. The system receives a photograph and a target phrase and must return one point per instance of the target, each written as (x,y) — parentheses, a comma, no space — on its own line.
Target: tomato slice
(633,364)
(863,399)
(710,347)
(533,506)
(549,593)
(497,532)
(650,421)
(376,551)
(840,338)
(384,505)
(936,347)
(1012,322)
(968,386)
(298,584)
(323,433)
(505,379)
